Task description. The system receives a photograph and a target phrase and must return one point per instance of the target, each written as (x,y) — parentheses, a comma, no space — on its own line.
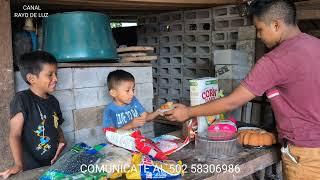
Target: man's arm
(16,126)
(237,98)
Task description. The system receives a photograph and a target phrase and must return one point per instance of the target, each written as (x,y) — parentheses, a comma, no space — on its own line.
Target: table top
(246,162)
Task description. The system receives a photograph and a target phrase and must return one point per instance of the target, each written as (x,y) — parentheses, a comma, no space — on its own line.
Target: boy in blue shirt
(125,112)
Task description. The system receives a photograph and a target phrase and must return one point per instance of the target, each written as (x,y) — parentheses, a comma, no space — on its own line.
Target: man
(290,76)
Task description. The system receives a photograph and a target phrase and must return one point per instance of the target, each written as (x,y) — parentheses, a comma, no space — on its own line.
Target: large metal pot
(79,36)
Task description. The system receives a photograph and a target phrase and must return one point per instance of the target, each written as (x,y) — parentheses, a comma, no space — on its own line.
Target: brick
(186,83)
(176,91)
(199,14)
(163,91)
(247,45)
(66,99)
(170,28)
(91,77)
(230,56)
(141,74)
(225,11)
(91,136)
(170,60)
(247,33)
(176,16)
(91,97)
(186,93)
(231,71)
(68,124)
(144,90)
(88,117)
(170,39)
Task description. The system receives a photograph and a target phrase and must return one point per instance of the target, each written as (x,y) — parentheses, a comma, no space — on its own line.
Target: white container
(203,90)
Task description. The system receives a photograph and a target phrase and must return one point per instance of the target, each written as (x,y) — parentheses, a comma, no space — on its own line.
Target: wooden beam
(308,14)
(6,83)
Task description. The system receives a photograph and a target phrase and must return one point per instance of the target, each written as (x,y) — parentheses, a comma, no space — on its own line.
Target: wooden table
(248,161)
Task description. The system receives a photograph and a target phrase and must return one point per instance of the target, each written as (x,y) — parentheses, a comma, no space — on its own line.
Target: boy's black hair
(32,63)
(268,10)
(116,77)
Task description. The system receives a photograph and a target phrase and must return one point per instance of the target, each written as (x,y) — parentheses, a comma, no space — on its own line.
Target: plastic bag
(144,167)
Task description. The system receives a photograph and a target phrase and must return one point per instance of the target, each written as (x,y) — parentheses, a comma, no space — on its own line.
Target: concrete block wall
(82,94)
(187,40)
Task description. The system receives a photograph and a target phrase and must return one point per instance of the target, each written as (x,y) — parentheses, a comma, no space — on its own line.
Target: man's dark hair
(116,77)
(32,63)
(268,10)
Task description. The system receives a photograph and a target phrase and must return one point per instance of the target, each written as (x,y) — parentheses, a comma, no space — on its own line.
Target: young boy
(35,138)
(125,112)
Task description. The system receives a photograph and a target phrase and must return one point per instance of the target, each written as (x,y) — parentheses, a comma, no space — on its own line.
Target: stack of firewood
(136,54)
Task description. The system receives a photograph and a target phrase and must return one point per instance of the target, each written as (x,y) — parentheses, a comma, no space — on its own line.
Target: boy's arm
(16,126)
(149,116)
(62,144)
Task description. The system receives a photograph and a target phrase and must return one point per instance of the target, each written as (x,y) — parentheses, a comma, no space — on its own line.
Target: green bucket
(79,36)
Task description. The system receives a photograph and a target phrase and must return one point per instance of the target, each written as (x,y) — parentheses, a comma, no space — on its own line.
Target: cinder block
(155,81)
(151,40)
(164,99)
(197,71)
(170,70)
(170,28)
(150,19)
(91,136)
(198,27)
(176,16)
(88,117)
(155,90)
(91,77)
(228,85)
(68,124)
(170,60)
(197,61)
(199,14)
(146,103)
(186,83)
(141,74)
(64,80)
(230,56)
(247,45)
(176,91)
(91,97)
(194,38)
(225,11)
(176,81)
(194,50)
(144,90)
(70,139)
(154,71)
(224,36)
(164,81)
(186,93)
(66,99)
(231,71)
(230,23)
(185,101)
(170,39)
(163,91)
(222,46)
(171,50)
(247,33)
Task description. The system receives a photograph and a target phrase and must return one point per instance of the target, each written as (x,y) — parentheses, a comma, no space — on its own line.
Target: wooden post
(6,82)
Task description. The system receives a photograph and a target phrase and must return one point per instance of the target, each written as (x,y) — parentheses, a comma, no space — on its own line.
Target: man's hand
(60,148)
(13,170)
(138,122)
(179,113)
